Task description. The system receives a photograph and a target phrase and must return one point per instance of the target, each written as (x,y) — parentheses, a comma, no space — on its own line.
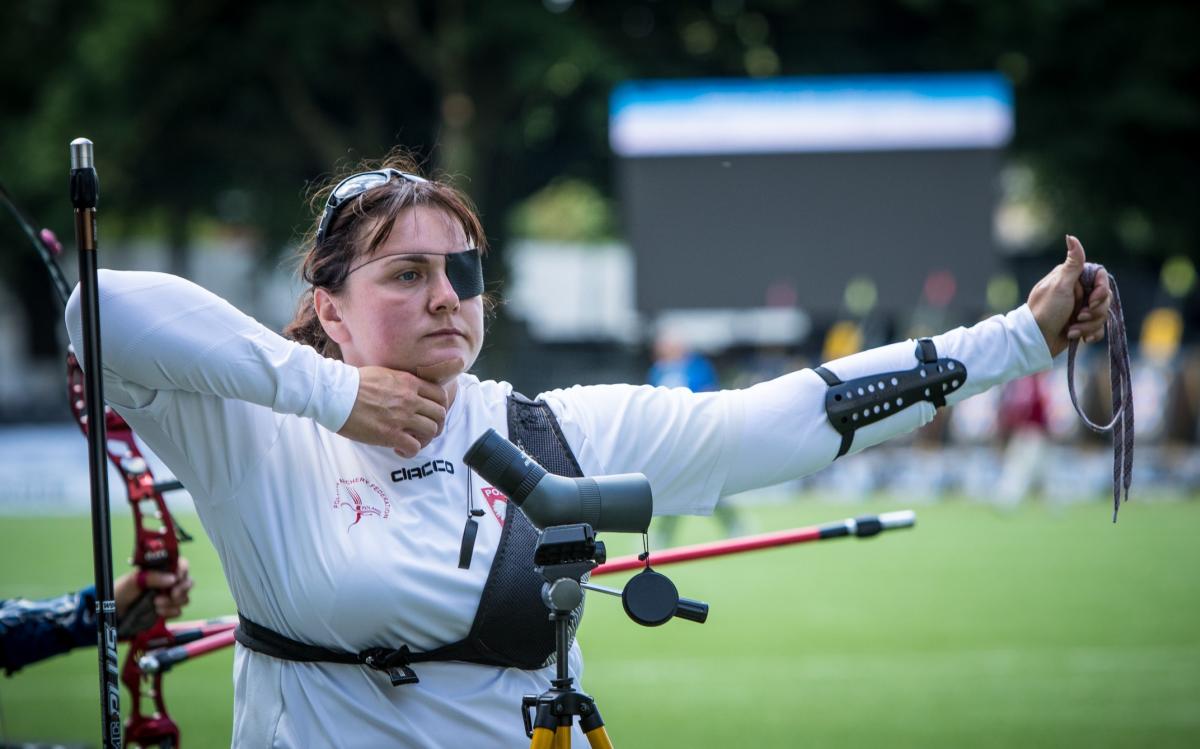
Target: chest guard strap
(512,626)
(866,400)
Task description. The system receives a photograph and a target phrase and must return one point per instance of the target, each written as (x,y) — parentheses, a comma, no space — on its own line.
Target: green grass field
(1045,627)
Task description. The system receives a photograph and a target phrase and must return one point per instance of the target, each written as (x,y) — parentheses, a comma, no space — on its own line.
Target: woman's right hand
(397,410)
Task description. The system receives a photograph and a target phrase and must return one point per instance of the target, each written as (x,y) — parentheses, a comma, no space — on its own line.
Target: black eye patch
(465,271)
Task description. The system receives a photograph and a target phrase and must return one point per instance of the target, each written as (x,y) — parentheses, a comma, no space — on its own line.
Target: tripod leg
(543,738)
(562,737)
(598,738)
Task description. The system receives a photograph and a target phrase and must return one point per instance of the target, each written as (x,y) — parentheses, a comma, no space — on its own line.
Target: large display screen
(746,194)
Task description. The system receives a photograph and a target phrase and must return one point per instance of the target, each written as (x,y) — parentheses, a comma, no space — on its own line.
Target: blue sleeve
(31,631)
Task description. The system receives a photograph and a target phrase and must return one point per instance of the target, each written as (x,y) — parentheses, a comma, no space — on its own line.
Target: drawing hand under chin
(396,409)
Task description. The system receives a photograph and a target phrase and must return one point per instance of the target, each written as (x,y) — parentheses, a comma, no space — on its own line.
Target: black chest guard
(511,628)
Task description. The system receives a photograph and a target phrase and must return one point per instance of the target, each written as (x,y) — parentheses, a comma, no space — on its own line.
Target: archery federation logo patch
(364,498)
(497,501)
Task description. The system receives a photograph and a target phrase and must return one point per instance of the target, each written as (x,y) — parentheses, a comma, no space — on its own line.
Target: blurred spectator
(1158,398)
(845,337)
(1024,421)
(676,366)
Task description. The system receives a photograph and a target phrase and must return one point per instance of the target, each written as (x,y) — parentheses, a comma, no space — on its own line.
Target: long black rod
(85,192)
(44,251)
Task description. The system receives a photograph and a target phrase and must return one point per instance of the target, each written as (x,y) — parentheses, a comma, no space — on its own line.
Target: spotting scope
(621,503)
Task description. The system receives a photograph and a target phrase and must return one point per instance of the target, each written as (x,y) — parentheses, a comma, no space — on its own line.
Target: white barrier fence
(44,470)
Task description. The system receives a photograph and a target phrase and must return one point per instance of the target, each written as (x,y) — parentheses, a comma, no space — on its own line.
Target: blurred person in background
(676,365)
(1024,422)
(306,457)
(31,631)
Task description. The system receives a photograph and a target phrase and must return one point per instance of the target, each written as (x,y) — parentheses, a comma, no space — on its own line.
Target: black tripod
(563,556)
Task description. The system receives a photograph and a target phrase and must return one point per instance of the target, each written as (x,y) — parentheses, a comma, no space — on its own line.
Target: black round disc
(649,598)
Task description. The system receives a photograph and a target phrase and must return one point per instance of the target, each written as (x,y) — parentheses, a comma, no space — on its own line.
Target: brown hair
(360,227)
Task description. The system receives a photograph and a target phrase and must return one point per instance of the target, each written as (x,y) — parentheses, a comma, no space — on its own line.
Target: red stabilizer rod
(208,626)
(159,661)
(867,525)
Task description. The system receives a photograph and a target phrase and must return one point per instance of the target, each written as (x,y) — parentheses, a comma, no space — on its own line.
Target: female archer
(326,465)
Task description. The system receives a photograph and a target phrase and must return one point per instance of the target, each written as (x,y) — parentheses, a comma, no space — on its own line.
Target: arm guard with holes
(866,400)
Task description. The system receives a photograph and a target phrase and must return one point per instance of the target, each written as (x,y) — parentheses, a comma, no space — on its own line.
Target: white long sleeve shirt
(350,546)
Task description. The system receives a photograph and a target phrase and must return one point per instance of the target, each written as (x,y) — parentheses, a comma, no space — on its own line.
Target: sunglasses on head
(355,185)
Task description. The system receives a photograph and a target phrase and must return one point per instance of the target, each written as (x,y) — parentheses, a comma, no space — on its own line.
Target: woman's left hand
(1058,305)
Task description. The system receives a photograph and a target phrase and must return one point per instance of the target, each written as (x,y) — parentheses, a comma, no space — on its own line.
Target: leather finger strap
(1121,425)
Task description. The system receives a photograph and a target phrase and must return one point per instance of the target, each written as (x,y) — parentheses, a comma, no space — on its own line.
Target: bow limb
(44,242)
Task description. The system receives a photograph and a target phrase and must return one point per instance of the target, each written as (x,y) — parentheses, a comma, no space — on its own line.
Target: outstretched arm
(695,447)
(31,631)
(995,351)
(788,431)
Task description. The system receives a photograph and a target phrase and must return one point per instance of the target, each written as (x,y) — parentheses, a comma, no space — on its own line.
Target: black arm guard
(866,400)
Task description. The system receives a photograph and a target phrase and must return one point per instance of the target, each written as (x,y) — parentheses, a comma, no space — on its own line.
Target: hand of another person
(1058,305)
(173,589)
(397,410)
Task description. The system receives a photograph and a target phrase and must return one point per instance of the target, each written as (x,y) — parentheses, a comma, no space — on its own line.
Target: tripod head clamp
(566,553)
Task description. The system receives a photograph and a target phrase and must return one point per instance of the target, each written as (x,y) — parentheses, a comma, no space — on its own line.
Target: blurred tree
(221,111)
(566,210)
